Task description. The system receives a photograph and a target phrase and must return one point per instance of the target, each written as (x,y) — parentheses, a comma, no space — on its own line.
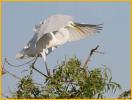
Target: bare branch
(15,76)
(5,71)
(32,66)
(89,56)
(88,59)
(6,61)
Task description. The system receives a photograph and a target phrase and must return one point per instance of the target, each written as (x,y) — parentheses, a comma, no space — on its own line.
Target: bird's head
(23,53)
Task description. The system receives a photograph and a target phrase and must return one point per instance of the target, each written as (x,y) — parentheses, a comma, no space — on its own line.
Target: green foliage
(125,94)
(69,80)
(27,89)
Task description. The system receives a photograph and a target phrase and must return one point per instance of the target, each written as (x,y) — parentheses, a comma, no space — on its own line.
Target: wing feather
(80,31)
(52,23)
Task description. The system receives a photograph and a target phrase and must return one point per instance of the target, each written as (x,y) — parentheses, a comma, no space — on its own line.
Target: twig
(99,52)
(12,74)
(32,66)
(3,68)
(88,59)
(89,56)
(93,50)
(4,71)
(6,61)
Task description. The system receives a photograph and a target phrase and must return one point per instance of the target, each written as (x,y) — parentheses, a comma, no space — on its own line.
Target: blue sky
(19,20)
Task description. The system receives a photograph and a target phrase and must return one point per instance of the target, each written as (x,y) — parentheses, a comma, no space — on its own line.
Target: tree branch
(89,56)
(6,71)
(6,61)
(88,59)
(32,66)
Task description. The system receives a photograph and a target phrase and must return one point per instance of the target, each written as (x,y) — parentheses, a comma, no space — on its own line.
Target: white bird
(53,32)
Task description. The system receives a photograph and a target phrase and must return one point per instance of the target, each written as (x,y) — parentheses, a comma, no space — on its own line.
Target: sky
(19,19)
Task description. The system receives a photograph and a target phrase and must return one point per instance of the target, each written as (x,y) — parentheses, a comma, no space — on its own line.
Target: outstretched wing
(52,23)
(80,31)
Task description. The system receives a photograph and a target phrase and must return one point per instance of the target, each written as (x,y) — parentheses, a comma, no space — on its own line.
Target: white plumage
(53,32)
